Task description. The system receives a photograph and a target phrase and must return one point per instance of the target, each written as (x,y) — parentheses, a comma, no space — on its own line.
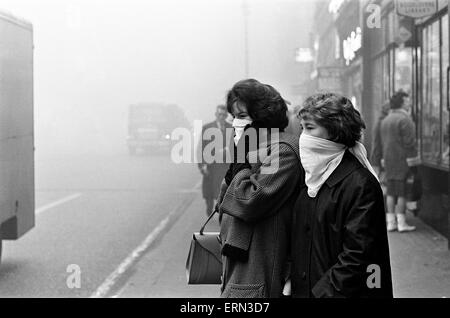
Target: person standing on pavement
(257,197)
(399,153)
(377,148)
(339,238)
(213,172)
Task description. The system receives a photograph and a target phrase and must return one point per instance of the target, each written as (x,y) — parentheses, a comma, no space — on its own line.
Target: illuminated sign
(335,5)
(416,8)
(351,45)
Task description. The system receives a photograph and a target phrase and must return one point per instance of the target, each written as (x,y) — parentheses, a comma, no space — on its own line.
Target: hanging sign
(404,31)
(416,8)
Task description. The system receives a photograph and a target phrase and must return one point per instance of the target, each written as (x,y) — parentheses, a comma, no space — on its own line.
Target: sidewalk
(161,272)
(420,262)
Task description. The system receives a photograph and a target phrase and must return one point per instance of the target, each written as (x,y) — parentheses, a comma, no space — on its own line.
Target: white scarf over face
(320,157)
(239,127)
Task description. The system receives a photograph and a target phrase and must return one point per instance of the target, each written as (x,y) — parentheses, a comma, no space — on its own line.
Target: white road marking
(56,203)
(104,288)
(111,280)
(194,189)
(198,185)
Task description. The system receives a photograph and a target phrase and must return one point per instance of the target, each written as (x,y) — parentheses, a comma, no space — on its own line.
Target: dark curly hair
(396,101)
(264,103)
(337,115)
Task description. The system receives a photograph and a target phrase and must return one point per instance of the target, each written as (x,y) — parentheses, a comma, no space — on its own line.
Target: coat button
(304,275)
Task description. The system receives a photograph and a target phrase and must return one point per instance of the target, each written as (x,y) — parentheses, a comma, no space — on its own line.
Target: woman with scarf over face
(258,194)
(339,243)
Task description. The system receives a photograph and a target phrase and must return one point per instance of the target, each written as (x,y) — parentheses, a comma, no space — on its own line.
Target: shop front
(410,53)
(431,60)
(387,63)
(350,34)
(326,44)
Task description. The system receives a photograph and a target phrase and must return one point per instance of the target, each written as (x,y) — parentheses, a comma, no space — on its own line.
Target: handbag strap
(209,218)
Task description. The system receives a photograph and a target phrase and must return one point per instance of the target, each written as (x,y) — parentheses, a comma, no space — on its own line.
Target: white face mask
(320,157)
(239,126)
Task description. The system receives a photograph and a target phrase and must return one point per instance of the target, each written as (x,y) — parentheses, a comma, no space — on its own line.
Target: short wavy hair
(396,101)
(264,103)
(337,115)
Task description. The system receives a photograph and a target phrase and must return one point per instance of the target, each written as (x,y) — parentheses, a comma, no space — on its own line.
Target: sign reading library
(416,8)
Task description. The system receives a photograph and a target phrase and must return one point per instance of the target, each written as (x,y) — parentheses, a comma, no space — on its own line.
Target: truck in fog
(16,128)
(150,126)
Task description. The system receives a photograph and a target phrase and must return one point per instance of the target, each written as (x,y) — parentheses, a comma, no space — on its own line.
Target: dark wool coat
(398,139)
(377,147)
(339,238)
(263,203)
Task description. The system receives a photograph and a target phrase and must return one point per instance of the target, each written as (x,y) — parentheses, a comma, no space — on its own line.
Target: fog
(94,58)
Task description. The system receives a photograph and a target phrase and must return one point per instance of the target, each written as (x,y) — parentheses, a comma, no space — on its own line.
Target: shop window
(388,75)
(417,58)
(431,101)
(337,46)
(403,69)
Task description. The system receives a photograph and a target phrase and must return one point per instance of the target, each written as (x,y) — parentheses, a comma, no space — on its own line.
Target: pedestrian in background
(258,200)
(339,245)
(213,172)
(399,152)
(294,127)
(377,149)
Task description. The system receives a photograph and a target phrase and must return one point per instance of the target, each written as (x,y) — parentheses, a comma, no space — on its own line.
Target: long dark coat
(377,146)
(264,202)
(216,170)
(340,237)
(398,139)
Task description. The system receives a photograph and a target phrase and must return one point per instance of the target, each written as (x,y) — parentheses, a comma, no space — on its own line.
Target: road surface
(92,211)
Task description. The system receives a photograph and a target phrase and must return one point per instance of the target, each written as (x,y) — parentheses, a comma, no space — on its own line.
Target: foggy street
(94,211)
(112,204)
(318,130)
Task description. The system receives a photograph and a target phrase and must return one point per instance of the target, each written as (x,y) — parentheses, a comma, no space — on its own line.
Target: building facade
(377,47)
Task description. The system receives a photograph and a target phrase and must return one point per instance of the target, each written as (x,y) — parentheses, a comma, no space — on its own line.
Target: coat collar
(275,138)
(399,111)
(348,164)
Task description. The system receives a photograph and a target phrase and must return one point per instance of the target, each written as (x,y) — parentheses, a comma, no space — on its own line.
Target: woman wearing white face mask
(258,197)
(241,122)
(340,246)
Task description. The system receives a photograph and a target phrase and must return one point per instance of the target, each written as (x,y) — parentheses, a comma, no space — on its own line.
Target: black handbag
(204,261)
